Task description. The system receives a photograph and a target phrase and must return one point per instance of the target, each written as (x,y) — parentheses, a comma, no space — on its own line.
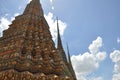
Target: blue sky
(91,27)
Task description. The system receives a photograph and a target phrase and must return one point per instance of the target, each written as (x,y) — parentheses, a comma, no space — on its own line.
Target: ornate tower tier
(27,51)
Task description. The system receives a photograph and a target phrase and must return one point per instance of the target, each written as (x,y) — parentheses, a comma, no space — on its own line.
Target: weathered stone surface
(14,75)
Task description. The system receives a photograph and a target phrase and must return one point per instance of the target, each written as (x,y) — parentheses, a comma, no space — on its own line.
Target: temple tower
(27,51)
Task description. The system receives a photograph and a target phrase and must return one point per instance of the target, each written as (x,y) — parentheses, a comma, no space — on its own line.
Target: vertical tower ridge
(70,64)
(69,59)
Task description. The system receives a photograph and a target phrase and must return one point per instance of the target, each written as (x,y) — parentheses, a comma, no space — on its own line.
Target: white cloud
(116,76)
(29,1)
(51,1)
(52,7)
(53,25)
(118,40)
(89,61)
(13,18)
(97,78)
(95,46)
(115,56)
(101,56)
(84,63)
(4,22)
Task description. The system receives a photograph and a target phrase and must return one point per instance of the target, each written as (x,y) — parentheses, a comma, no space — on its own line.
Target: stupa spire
(70,64)
(69,60)
(59,43)
(34,8)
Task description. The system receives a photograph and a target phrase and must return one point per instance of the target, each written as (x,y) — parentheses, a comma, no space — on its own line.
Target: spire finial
(34,8)
(59,43)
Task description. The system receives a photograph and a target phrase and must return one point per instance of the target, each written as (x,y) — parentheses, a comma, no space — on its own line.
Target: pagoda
(27,51)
